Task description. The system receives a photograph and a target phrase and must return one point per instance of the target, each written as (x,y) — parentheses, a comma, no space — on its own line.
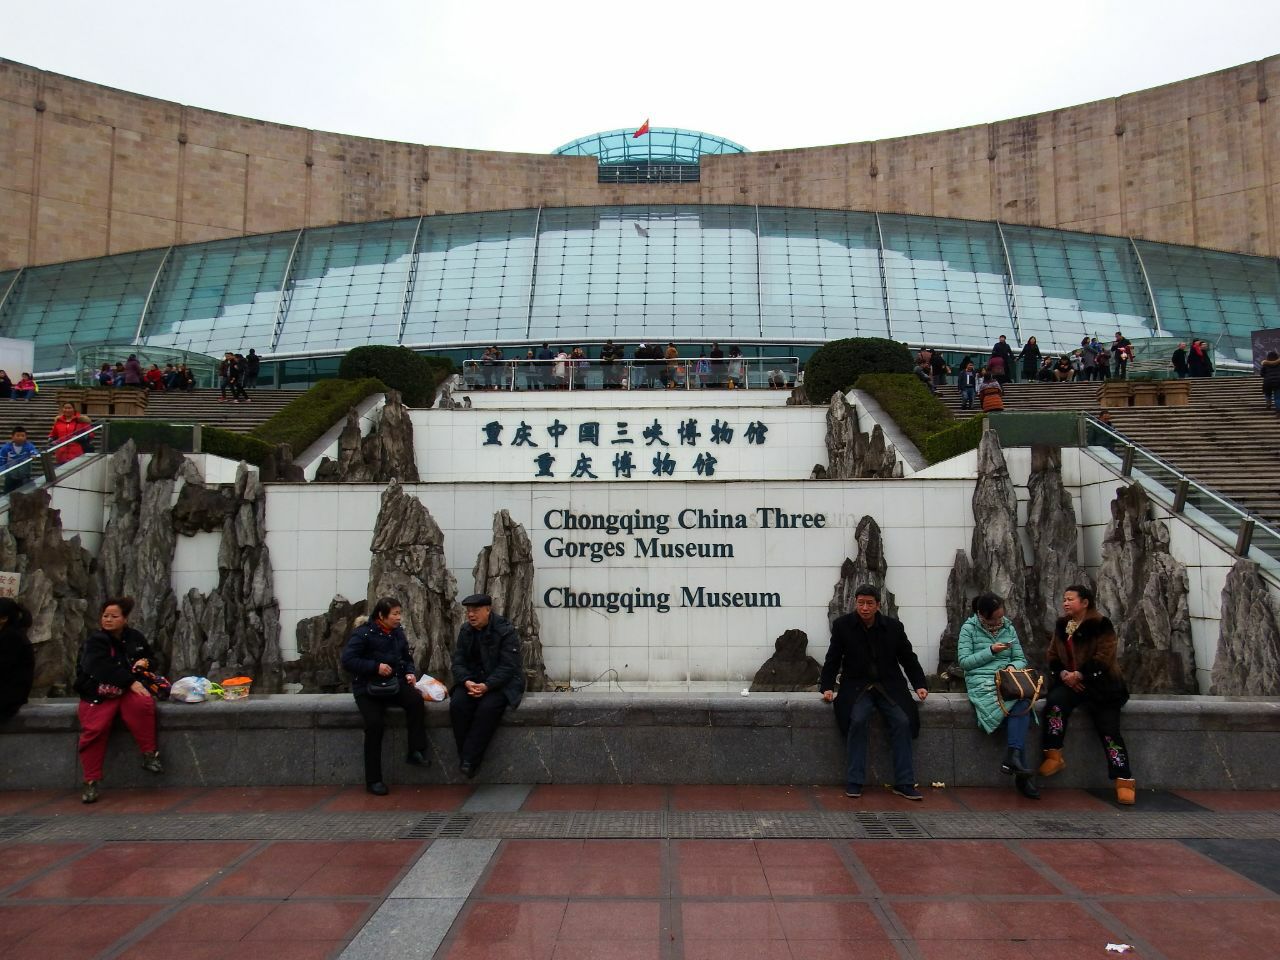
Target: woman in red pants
(107,681)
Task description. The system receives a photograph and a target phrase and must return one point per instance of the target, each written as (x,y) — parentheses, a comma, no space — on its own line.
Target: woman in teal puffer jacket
(988,642)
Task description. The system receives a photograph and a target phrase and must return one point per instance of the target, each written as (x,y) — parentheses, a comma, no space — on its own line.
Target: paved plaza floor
(636,873)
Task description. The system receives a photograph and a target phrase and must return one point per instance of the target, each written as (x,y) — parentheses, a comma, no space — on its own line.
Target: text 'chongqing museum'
(126,220)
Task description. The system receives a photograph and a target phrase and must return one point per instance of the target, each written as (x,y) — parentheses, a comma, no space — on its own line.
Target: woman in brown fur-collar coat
(1084,669)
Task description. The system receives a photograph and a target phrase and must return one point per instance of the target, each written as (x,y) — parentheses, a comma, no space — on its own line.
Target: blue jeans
(966,398)
(899,738)
(1015,728)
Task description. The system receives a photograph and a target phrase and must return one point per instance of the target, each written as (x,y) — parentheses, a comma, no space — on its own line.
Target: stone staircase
(1226,439)
(199,406)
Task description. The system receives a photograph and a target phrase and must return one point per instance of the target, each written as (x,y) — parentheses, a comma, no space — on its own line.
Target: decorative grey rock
(278,467)
(59,587)
(385,454)
(799,396)
(1052,529)
(445,399)
(1248,659)
(409,564)
(1143,589)
(851,454)
(994,562)
(124,501)
(504,570)
(236,628)
(960,594)
(201,509)
(868,566)
(320,641)
(149,564)
(790,668)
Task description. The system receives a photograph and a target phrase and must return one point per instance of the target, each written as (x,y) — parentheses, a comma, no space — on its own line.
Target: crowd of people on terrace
(655,367)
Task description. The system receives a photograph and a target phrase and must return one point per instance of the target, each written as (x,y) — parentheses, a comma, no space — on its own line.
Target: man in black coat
(488,676)
(871,653)
(1005,353)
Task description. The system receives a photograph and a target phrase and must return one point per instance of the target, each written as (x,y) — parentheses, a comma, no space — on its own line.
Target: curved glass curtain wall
(741,274)
(659,145)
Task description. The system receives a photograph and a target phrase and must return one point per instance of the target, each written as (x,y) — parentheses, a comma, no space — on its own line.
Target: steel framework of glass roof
(659,145)
(738,274)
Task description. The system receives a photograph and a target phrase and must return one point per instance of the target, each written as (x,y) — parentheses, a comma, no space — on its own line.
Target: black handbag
(383,687)
(1018,683)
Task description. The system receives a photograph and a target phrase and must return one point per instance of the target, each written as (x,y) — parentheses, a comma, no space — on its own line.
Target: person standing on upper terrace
(69,424)
(1004,370)
(488,677)
(1180,361)
(1271,380)
(870,652)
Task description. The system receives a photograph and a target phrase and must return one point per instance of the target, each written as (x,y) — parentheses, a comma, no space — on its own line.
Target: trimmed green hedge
(148,435)
(921,416)
(840,364)
(955,440)
(415,375)
(235,446)
(305,419)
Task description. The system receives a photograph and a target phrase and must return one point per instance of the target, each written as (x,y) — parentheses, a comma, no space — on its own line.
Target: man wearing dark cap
(488,676)
(871,653)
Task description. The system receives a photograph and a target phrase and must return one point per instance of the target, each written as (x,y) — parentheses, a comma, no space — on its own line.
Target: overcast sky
(529,76)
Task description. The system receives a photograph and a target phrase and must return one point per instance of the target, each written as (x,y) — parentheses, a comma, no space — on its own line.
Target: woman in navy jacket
(375,651)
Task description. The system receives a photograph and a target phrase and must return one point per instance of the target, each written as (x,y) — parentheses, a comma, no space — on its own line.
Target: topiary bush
(148,435)
(921,416)
(953,441)
(838,365)
(234,446)
(416,376)
(305,418)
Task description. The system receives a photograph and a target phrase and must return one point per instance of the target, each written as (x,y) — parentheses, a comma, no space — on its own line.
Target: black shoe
(377,788)
(416,758)
(853,791)
(1015,763)
(908,791)
(1027,787)
(468,770)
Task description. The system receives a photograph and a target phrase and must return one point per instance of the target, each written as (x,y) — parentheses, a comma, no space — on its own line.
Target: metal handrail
(45,459)
(1249,523)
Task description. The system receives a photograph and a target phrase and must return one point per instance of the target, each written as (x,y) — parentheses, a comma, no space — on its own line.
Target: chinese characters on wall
(686,450)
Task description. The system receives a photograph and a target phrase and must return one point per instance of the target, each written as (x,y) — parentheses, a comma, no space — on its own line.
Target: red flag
(644,128)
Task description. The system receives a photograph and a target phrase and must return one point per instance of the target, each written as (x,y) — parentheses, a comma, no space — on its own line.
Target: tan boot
(1052,763)
(1126,791)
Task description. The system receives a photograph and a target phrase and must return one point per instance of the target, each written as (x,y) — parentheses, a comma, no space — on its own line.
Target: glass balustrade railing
(48,465)
(749,373)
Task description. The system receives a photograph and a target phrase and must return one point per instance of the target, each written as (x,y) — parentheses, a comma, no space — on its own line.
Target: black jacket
(17,668)
(490,656)
(1094,651)
(1180,360)
(876,656)
(1270,376)
(368,646)
(106,659)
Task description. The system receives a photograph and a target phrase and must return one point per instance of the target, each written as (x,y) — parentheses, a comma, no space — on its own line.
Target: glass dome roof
(659,145)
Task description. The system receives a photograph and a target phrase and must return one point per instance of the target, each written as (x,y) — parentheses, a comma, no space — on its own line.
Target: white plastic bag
(430,688)
(190,690)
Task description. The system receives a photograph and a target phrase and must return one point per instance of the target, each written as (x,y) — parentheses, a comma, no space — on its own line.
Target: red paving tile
(705,797)
(135,870)
(278,869)
(197,922)
(876,797)
(402,797)
(1138,867)
(315,920)
(719,868)
(503,950)
(121,800)
(533,922)
(953,866)
(737,950)
(563,868)
(258,799)
(828,920)
(995,921)
(562,796)
(19,919)
(840,949)
(1167,924)
(1227,801)
(611,921)
(95,927)
(1012,950)
(19,861)
(730,920)
(578,950)
(20,801)
(990,799)
(740,797)
(642,796)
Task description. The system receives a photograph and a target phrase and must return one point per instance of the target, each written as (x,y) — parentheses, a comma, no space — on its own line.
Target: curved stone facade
(86,170)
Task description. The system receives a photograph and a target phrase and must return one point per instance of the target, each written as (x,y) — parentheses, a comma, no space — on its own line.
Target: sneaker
(89,792)
(377,788)
(908,791)
(853,791)
(151,762)
(415,758)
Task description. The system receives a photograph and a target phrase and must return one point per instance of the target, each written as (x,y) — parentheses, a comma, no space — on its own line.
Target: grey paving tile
(449,868)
